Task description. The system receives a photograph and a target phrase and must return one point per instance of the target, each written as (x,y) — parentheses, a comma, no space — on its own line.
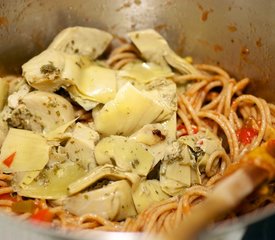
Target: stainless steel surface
(236,34)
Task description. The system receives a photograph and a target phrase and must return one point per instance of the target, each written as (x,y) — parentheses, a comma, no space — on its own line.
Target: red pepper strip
(183,131)
(181,126)
(195,129)
(43,215)
(9,160)
(246,135)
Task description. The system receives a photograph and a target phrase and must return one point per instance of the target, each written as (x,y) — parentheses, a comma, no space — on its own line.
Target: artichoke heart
(154,48)
(28,152)
(113,202)
(4,91)
(82,41)
(163,91)
(150,134)
(174,177)
(83,100)
(147,193)
(59,133)
(102,172)
(158,137)
(52,182)
(52,69)
(125,153)
(144,72)
(129,111)
(199,147)
(80,147)
(31,151)
(44,111)
(97,84)
(4,128)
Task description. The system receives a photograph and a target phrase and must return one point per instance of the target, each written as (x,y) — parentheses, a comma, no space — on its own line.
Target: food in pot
(106,140)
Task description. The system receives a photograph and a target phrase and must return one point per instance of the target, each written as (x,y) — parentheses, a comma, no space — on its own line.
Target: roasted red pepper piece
(42,215)
(9,160)
(246,135)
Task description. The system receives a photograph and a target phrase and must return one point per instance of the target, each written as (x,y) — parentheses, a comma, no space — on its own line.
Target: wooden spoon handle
(226,196)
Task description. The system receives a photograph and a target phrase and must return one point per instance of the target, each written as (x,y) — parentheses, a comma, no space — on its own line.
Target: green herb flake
(86,197)
(48,68)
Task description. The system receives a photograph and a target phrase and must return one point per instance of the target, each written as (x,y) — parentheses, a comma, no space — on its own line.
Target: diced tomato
(7,196)
(183,131)
(270,147)
(246,135)
(195,129)
(9,160)
(43,215)
(181,126)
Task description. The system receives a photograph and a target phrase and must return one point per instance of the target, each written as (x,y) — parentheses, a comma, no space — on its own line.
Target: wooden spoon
(240,180)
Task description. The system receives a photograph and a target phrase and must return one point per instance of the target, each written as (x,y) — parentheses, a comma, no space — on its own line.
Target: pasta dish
(123,136)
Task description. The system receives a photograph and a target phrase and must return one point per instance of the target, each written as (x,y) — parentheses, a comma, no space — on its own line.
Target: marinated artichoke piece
(4,91)
(125,153)
(102,172)
(80,147)
(44,71)
(82,41)
(154,48)
(197,148)
(174,177)
(10,111)
(20,91)
(26,157)
(150,134)
(129,111)
(113,202)
(87,83)
(163,91)
(41,112)
(158,137)
(147,193)
(60,133)
(81,99)
(19,156)
(14,82)
(4,128)
(52,69)
(52,182)
(184,169)
(97,84)
(143,72)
